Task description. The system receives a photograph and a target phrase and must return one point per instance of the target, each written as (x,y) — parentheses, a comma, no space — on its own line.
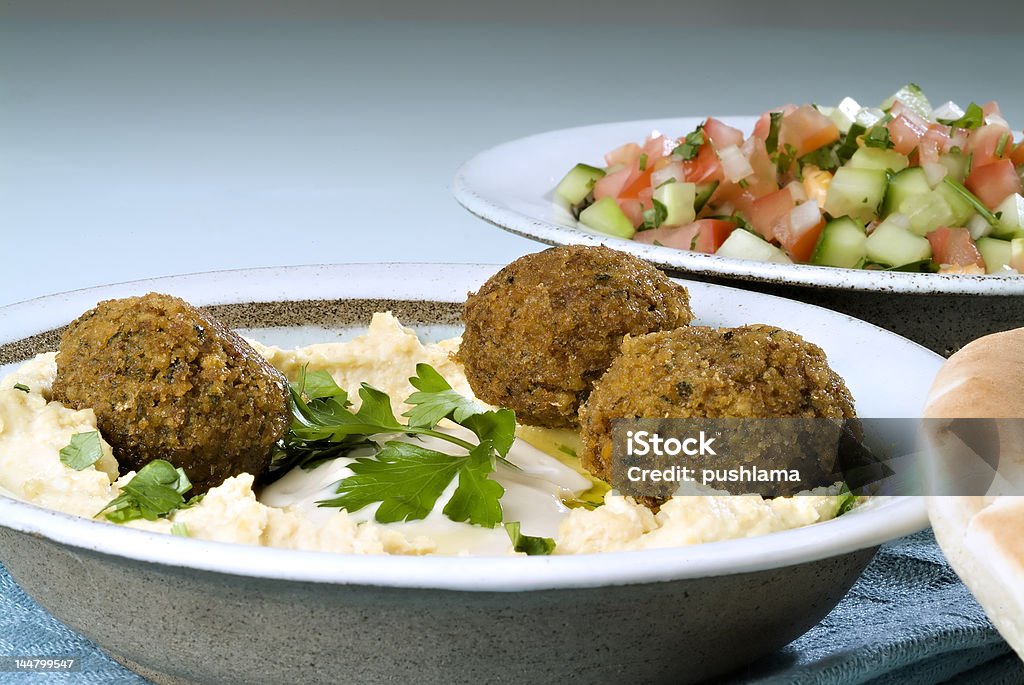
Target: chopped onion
(797,191)
(996,119)
(948,110)
(934,172)
(671,170)
(978,226)
(735,166)
(804,217)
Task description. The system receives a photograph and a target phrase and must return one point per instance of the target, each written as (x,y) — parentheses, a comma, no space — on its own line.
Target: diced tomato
(905,131)
(993,182)
(768,213)
(807,129)
(722,135)
(704,167)
(711,233)
(633,209)
(984,141)
(1018,154)
(639,181)
(658,147)
(800,246)
(645,196)
(626,154)
(953,246)
(934,142)
(612,184)
(729,198)
(764,180)
(764,124)
(679,237)
(991,107)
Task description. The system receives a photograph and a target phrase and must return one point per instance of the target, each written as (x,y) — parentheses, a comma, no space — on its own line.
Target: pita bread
(983,536)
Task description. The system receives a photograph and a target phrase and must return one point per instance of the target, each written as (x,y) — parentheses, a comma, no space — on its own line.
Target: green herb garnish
(157,490)
(785,158)
(83,451)
(532,545)
(21,386)
(655,216)
(691,144)
(405,478)
(1001,145)
(643,162)
(973,117)
(846,500)
(878,136)
(978,205)
(825,158)
(771,143)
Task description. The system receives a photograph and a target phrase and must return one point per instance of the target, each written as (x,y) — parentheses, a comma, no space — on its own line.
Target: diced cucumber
(856,193)
(605,216)
(905,184)
(996,253)
(678,200)
(578,183)
(743,244)
(927,212)
(703,194)
(957,163)
(958,204)
(1011,217)
(911,96)
(843,243)
(892,245)
(845,114)
(877,158)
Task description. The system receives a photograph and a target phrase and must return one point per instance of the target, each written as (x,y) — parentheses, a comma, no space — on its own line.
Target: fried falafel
(544,328)
(754,371)
(166,381)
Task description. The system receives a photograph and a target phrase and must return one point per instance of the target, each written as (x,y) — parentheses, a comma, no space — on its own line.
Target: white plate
(511,186)
(889,376)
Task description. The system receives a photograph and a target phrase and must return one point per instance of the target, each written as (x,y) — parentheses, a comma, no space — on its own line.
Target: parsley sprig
(157,490)
(406,478)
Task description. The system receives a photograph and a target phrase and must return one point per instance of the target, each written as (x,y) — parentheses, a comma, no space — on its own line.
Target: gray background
(145,139)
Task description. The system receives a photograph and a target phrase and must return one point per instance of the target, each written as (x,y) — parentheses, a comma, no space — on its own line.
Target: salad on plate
(903,186)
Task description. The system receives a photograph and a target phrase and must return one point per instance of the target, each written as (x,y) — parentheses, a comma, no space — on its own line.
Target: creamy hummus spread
(33,430)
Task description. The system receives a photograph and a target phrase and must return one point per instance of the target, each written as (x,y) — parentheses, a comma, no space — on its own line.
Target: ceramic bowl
(180,610)
(511,185)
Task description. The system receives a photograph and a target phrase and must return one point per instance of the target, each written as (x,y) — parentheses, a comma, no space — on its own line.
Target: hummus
(33,430)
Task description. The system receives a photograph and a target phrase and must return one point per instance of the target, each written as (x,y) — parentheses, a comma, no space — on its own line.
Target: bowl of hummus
(383,514)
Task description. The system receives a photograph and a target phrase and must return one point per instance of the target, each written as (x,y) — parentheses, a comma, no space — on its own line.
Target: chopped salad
(903,186)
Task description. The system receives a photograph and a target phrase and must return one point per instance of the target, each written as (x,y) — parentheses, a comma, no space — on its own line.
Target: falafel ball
(754,371)
(168,382)
(544,328)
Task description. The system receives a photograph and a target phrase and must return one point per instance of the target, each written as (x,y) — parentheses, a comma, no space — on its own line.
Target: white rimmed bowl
(181,610)
(511,185)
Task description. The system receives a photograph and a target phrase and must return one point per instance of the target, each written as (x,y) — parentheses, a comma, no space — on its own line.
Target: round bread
(983,536)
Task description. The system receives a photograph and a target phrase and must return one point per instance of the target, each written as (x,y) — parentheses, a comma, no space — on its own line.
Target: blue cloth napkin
(907,621)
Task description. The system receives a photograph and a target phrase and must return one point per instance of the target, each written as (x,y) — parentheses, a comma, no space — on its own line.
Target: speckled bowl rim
(488,199)
(872,525)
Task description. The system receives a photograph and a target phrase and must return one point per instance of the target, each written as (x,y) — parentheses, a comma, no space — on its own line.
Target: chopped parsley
(691,144)
(771,143)
(156,491)
(21,386)
(655,216)
(825,158)
(973,117)
(534,546)
(878,136)
(83,451)
(405,478)
(1001,145)
(643,162)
